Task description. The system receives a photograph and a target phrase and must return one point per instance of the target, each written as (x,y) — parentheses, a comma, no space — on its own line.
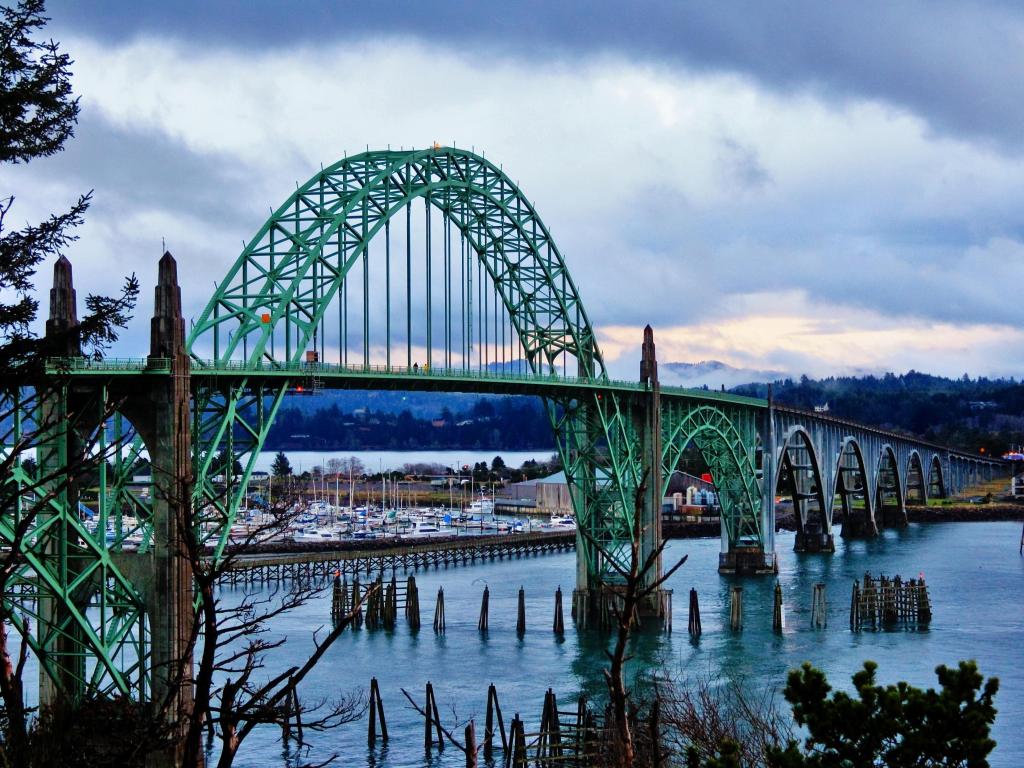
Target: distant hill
(967,413)
(425,405)
(712,374)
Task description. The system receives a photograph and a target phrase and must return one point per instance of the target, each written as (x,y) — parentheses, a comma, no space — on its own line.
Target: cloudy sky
(793,186)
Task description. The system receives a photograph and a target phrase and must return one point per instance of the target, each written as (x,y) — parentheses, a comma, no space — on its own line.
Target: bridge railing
(122,364)
(311,369)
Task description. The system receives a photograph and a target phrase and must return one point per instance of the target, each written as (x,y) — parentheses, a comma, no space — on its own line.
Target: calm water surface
(973,569)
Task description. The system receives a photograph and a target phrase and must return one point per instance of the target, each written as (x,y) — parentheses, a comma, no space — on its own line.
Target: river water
(974,572)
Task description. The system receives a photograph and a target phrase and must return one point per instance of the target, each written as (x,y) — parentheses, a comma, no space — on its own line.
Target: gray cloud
(958,64)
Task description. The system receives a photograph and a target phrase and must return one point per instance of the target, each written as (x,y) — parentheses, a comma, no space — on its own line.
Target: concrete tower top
(648,361)
(167,329)
(63,317)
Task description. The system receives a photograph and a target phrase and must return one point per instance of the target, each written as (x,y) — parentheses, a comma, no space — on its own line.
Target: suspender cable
(366,300)
(408,283)
(462,287)
(479,318)
(366,275)
(470,250)
(343,309)
(430,345)
(447,289)
(387,272)
(445,235)
(487,338)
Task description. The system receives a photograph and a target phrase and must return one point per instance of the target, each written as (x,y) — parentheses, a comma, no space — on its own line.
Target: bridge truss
(412,270)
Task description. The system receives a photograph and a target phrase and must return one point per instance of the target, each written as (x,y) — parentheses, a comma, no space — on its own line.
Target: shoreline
(957,513)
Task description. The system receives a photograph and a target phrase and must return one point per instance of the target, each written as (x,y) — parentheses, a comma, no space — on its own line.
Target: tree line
(510,423)
(980,414)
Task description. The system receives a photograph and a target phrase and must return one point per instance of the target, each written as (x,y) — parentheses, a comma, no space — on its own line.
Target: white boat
(312,533)
(425,526)
(563,522)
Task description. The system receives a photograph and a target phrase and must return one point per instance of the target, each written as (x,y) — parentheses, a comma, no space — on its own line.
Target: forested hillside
(969,413)
(505,423)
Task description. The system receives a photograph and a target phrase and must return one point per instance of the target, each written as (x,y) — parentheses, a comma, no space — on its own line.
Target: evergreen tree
(37,115)
(895,726)
(281,466)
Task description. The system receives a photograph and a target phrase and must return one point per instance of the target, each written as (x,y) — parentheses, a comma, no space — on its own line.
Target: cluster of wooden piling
(565,737)
(320,566)
(381,601)
(879,602)
(885,602)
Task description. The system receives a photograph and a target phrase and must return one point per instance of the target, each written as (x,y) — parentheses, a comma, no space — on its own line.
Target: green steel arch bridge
(411,270)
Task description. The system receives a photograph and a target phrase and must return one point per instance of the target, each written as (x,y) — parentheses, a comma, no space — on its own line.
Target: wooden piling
(432,722)
(484,619)
(376,714)
(470,745)
(517,755)
(357,616)
(493,715)
(298,714)
(337,601)
(559,622)
(439,622)
(412,603)
(521,613)
(778,617)
(855,606)
(819,611)
(554,727)
(582,731)
(694,624)
(655,726)
(736,609)
(924,603)
(390,607)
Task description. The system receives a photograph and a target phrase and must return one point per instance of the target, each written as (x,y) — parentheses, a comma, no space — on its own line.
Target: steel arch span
(339,271)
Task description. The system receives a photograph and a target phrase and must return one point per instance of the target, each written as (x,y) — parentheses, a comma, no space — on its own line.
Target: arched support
(916,481)
(799,475)
(726,436)
(890,503)
(936,479)
(855,491)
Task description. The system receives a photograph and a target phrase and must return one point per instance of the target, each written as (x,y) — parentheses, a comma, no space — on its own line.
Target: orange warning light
(265,317)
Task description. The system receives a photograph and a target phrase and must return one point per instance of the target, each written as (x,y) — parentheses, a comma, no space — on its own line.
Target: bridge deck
(330,376)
